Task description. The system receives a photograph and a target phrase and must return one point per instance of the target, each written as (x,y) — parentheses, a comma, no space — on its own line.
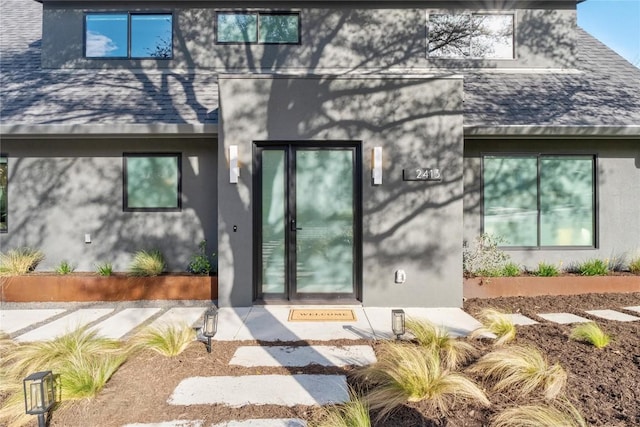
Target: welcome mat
(321,315)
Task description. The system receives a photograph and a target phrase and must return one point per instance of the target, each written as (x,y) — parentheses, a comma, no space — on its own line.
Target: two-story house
(327,151)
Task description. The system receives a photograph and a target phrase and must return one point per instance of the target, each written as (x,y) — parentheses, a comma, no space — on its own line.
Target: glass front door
(307,224)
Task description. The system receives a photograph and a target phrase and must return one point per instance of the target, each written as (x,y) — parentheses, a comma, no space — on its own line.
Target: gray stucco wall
(334,36)
(59,190)
(618,195)
(409,225)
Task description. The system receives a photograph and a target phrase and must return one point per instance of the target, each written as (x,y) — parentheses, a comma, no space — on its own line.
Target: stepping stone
(65,324)
(14,320)
(272,422)
(613,315)
(179,316)
(284,390)
(356,355)
(123,322)
(522,320)
(635,308)
(177,423)
(563,318)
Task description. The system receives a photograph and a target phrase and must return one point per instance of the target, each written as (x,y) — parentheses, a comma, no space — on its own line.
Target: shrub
(145,263)
(594,267)
(65,268)
(105,269)
(453,352)
(200,263)
(20,261)
(169,341)
(547,270)
(523,369)
(634,266)
(407,373)
(485,258)
(565,415)
(354,413)
(497,323)
(590,333)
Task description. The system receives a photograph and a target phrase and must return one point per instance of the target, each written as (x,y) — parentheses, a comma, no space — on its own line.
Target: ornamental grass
(169,340)
(523,369)
(406,373)
(562,414)
(590,333)
(497,323)
(453,352)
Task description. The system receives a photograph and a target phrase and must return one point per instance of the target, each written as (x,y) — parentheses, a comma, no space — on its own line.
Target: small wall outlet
(87,238)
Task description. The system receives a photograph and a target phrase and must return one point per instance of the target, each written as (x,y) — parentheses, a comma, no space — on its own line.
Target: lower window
(539,200)
(152,182)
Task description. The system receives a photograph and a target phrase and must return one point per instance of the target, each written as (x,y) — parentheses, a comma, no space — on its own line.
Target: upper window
(536,201)
(128,35)
(258,27)
(152,182)
(4,178)
(471,36)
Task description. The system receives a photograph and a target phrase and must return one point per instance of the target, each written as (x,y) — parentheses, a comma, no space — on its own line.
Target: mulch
(602,384)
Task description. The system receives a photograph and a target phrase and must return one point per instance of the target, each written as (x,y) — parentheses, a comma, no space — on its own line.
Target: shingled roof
(604,91)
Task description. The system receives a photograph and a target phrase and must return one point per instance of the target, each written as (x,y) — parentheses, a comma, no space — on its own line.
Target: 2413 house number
(421,174)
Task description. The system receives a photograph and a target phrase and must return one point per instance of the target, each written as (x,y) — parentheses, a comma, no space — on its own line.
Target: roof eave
(541,131)
(154,130)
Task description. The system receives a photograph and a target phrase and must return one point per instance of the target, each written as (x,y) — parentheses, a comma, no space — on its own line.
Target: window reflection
(471,36)
(255,27)
(540,200)
(123,35)
(152,182)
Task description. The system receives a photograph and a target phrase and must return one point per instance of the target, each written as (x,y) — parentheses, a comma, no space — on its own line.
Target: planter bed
(78,287)
(492,287)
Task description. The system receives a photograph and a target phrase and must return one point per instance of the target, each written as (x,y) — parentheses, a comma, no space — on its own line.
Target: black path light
(397,322)
(210,325)
(39,395)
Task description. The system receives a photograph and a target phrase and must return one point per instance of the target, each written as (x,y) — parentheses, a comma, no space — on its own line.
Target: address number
(421,174)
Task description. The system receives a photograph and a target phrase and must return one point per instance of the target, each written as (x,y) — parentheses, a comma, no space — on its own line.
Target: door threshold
(341,302)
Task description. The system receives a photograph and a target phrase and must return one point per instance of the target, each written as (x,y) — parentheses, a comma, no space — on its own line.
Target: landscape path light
(210,325)
(398,322)
(39,395)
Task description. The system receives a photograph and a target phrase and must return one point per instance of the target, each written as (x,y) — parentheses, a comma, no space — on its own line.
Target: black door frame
(289,293)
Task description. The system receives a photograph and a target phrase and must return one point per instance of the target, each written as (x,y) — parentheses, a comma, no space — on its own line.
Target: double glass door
(307,221)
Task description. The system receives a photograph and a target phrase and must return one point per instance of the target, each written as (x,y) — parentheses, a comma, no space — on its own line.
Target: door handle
(293,225)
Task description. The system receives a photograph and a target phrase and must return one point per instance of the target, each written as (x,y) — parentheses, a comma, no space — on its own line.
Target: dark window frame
(513,14)
(125,181)
(6,228)
(538,156)
(129,14)
(258,13)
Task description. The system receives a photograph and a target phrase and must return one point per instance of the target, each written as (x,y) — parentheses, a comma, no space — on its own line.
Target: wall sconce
(39,395)
(397,322)
(234,169)
(210,325)
(376,169)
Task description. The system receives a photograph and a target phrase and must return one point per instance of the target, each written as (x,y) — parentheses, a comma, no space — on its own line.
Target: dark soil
(603,384)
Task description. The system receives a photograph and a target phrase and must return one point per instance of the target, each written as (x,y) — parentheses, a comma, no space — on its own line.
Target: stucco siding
(60,190)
